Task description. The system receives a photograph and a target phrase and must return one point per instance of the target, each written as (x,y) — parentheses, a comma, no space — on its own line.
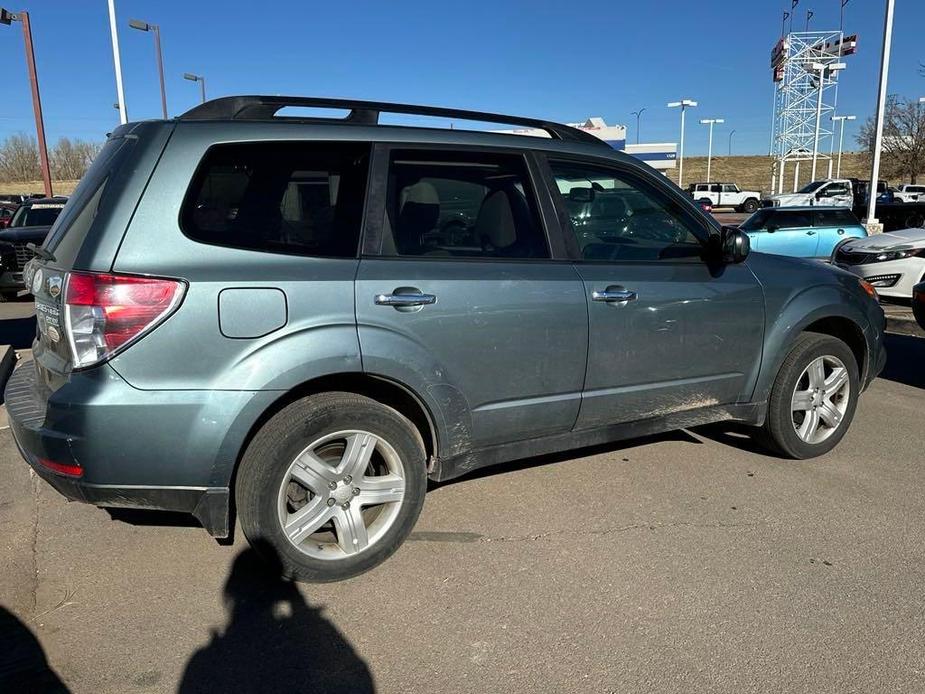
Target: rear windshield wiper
(41,252)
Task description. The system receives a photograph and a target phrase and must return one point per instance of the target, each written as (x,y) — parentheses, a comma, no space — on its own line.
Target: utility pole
(881,107)
(117,61)
(732,132)
(23,17)
(841,139)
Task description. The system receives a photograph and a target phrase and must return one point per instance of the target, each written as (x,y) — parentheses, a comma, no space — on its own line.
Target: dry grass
(28,187)
(754,173)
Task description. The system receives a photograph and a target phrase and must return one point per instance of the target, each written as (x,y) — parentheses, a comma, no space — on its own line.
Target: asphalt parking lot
(678,563)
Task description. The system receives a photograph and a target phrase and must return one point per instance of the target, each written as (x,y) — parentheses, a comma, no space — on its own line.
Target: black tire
(750,205)
(779,433)
(278,443)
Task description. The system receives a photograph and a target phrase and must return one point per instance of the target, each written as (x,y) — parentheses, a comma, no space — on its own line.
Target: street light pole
(197,78)
(117,61)
(711,122)
(684,104)
(841,139)
(881,107)
(156,30)
(23,17)
(733,132)
(637,114)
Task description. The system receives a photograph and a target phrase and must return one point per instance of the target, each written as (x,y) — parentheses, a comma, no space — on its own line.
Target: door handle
(611,295)
(810,233)
(405,299)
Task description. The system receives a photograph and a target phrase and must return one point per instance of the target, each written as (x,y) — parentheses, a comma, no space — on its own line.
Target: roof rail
(366,113)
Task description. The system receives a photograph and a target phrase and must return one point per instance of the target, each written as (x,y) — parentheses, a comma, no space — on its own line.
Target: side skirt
(458,465)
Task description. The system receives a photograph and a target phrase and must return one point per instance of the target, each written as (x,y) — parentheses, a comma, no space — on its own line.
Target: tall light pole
(841,139)
(731,133)
(156,30)
(684,104)
(711,122)
(23,17)
(197,78)
(637,114)
(117,62)
(881,107)
(822,69)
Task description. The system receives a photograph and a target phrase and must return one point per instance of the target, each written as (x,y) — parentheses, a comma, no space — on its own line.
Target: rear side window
(461,204)
(37,215)
(302,198)
(835,218)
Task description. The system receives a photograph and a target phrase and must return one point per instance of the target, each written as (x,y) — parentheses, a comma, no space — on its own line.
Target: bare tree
(19,159)
(71,159)
(902,153)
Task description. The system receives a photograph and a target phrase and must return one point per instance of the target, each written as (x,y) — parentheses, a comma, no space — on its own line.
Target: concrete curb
(7,362)
(900,325)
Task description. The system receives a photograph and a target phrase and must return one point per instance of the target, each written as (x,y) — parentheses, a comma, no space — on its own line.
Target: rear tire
(813,398)
(333,484)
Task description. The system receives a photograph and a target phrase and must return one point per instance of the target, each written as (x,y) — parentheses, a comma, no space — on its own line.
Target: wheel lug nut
(332,485)
(345,505)
(356,491)
(348,479)
(331,501)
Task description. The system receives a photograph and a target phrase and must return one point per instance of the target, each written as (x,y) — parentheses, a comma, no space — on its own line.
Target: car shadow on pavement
(905,360)
(23,665)
(274,640)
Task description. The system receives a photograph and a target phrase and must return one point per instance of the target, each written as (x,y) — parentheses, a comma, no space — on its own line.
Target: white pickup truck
(836,192)
(909,192)
(725,195)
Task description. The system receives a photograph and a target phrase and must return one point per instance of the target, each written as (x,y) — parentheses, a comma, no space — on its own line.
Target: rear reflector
(104,312)
(69,469)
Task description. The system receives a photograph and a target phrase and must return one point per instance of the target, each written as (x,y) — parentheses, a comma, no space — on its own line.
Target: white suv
(909,192)
(726,195)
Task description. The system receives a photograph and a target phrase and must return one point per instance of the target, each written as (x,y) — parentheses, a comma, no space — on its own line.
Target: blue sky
(560,60)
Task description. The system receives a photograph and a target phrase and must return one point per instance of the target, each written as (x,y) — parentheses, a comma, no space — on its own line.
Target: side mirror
(735,245)
(772,228)
(581,194)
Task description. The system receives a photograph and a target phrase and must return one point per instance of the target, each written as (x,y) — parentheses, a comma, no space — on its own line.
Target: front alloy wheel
(820,399)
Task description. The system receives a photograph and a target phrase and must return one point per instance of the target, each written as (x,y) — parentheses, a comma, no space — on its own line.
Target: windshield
(812,187)
(757,221)
(38,215)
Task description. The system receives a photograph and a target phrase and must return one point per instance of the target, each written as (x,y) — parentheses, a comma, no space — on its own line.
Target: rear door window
(300,198)
(462,205)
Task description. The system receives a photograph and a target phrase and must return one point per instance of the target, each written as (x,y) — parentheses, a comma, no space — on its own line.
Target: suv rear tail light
(105,313)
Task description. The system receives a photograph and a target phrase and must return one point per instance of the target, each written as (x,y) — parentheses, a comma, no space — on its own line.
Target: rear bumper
(164,450)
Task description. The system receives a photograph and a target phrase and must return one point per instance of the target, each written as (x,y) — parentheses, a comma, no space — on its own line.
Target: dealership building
(658,155)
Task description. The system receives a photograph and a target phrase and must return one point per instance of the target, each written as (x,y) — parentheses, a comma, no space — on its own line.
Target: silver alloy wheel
(820,399)
(341,494)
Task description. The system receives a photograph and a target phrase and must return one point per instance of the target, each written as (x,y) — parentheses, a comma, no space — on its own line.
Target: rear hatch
(84,239)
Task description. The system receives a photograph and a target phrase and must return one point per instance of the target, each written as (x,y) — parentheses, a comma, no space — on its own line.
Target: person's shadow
(23,666)
(274,641)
